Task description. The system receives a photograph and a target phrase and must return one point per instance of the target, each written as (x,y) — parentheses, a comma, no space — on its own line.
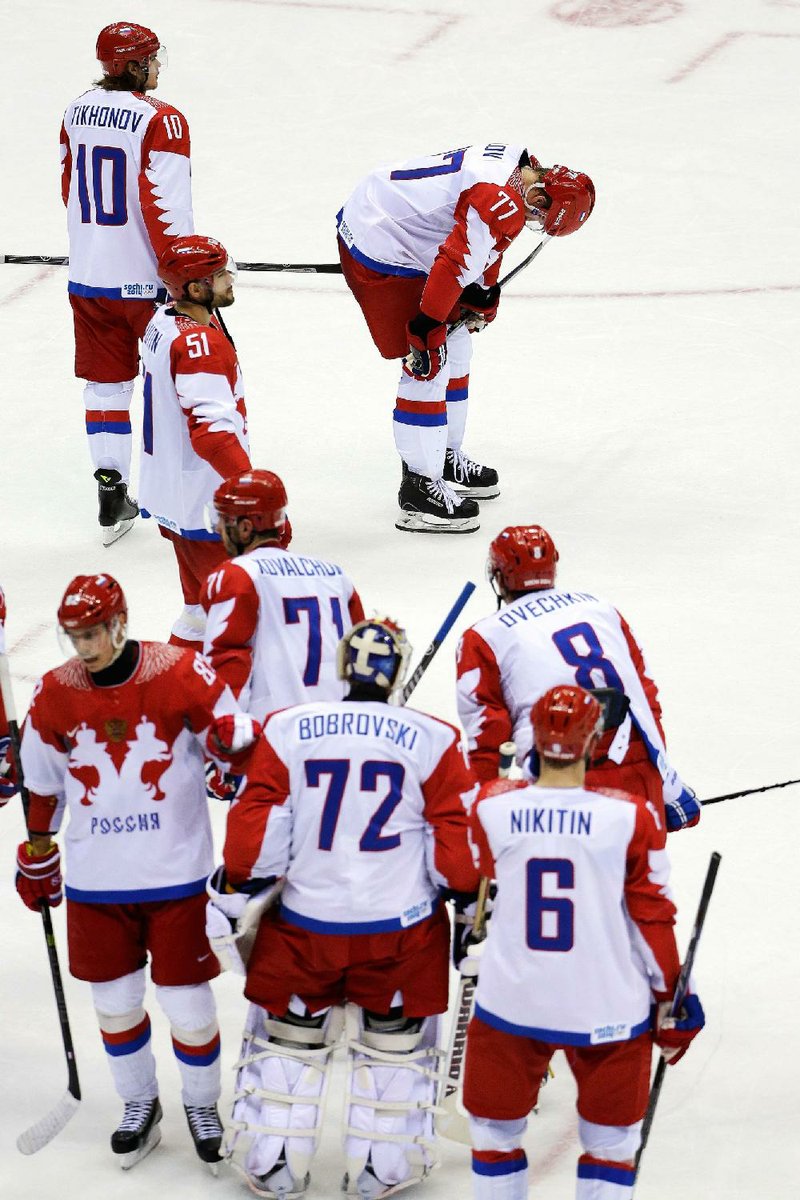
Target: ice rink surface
(637,395)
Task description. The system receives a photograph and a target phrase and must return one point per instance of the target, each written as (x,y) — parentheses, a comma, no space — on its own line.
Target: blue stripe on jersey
(561,1037)
(111,293)
(194,535)
(416,418)
(382,268)
(108,426)
(137,895)
(624,1176)
(347,927)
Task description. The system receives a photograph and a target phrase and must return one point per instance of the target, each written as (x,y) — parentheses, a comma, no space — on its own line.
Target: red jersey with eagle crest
(128,762)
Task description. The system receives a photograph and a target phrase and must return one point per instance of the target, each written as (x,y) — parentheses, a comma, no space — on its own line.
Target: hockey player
(274,617)
(117,736)
(126,182)
(581,946)
(361,807)
(421,245)
(195,421)
(542,635)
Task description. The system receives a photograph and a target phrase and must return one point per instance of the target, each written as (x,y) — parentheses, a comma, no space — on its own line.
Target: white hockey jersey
(362,807)
(448,216)
(127,762)
(274,621)
(508,660)
(126,182)
(581,937)
(194,428)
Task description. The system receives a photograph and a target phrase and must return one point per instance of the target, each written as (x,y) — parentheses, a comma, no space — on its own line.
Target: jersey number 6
(550,920)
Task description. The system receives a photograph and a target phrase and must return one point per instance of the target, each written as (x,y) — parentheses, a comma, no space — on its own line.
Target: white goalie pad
(392,1081)
(281,1087)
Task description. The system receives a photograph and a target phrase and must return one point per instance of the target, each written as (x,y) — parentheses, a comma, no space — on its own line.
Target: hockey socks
(108,425)
(499,1175)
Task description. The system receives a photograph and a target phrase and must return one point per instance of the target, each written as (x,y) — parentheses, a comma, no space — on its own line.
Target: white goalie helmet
(374,651)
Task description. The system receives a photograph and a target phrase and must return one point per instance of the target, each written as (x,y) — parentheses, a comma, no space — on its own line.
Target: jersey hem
(561,1037)
(178,891)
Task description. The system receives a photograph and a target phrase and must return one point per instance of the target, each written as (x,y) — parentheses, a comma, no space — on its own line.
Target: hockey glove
(682,811)
(221,785)
(465,905)
(673,1034)
(427,347)
(232,917)
(8,776)
(479,306)
(39,876)
(234,732)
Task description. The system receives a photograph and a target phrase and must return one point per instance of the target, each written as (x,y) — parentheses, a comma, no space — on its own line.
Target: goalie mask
(374,652)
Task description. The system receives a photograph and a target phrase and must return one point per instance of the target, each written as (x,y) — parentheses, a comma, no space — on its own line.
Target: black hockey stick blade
(441,634)
(677,1000)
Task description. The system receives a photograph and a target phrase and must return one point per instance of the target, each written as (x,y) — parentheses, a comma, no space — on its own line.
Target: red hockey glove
(234,732)
(221,785)
(479,306)
(39,876)
(673,1034)
(427,347)
(8,775)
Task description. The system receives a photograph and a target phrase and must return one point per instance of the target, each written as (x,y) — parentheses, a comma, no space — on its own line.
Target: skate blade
(411,522)
(126,1161)
(279,1193)
(112,533)
(391,1189)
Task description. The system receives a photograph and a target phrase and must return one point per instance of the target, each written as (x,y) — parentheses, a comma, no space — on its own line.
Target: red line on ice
(28,286)
(721,43)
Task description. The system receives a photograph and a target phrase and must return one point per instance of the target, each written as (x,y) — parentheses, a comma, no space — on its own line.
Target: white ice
(637,394)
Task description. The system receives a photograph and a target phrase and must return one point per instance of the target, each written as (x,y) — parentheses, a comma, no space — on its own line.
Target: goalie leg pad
(393,1073)
(281,1086)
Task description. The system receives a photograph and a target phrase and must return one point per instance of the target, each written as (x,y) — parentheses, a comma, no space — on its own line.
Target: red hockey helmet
(191,259)
(124,42)
(523,558)
(258,495)
(571,200)
(91,600)
(567,722)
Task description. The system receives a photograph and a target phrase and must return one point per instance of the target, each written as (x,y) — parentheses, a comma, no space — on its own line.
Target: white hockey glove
(232,918)
(466,957)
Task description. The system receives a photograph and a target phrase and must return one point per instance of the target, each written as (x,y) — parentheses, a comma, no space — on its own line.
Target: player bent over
(126,184)
(274,616)
(421,244)
(360,806)
(195,421)
(543,635)
(117,736)
(581,947)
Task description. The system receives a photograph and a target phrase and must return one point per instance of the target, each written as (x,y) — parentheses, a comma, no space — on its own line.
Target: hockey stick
(44,1130)
(446,626)
(677,1000)
(451,1122)
(770,787)
(547,237)
(61,260)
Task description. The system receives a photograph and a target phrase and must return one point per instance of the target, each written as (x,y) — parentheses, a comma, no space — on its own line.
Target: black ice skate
(206,1130)
(117,509)
(279,1183)
(138,1132)
(469,478)
(431,506)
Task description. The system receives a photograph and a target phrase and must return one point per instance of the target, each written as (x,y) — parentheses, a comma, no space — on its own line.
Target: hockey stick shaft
(677,1000)
(73,1083)
(444,629)
(526,262)
(62,260)
(770,787)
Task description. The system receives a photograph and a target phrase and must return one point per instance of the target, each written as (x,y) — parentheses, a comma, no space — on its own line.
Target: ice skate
(117,509)
(206,1130)
(431,506)
(279,1183)
(469,478)
(138,1132)
(369,1187)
